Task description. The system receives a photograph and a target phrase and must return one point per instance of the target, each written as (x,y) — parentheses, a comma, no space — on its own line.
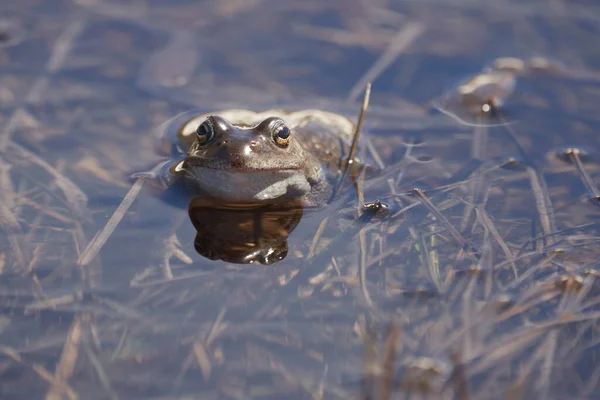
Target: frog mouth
(248,185)
(233,166)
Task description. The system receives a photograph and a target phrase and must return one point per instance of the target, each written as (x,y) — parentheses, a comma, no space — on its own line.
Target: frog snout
(238,155)
(243,150)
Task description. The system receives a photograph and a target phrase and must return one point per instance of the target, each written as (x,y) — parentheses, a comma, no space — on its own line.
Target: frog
(246,157)
(236,158)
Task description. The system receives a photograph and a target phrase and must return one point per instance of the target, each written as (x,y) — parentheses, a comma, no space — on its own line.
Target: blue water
(79,100)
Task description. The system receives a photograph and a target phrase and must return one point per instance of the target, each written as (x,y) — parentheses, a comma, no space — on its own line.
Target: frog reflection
(243,234)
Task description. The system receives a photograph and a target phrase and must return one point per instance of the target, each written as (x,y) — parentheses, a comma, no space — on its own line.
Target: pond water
(476,278)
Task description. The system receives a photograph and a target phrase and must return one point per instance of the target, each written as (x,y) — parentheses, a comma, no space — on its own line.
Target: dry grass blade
(367,387)
(389,361)
(318,394)
(459,376)
(337,36)
(399,43)
(74,196)
(316,237)
(363,267)
(102,377)
(478,152)
(8,220)
(358,129)
(63,387)
(10,353)
(549,347)
(203,360)
(505,348)
(431,267)
(216,327)
(53,303)
(565,232)
(45,210)
(543,204)
(540,191)
(200,350)
(58,55)
(66,364)
(532,269)
(592,384)
(349,164)
(449,227)
(486,222)
(124,310)
(585,176)
(101,237)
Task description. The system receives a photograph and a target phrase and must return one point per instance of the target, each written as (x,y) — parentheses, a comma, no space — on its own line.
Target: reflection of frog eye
(281,134)
(204,132)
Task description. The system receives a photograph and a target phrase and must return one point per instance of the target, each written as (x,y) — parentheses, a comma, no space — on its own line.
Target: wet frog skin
(241,156)
(248,161)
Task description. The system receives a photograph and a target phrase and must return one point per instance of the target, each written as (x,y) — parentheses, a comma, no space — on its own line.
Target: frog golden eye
(204,132)
(281,134)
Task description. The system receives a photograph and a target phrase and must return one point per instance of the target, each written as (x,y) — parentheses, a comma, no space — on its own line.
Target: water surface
(480,284)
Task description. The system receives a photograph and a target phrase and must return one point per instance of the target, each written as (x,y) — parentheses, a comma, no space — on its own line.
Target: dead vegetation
(476,278)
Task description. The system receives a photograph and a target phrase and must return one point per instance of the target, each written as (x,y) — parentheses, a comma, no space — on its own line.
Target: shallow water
(480,284)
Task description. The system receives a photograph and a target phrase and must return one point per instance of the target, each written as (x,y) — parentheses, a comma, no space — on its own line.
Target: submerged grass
(473,277)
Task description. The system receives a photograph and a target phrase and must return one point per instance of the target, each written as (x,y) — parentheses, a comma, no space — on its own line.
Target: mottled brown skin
(242,163)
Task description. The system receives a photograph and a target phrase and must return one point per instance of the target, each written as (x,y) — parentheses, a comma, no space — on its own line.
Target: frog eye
(281,134)
(204,132)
